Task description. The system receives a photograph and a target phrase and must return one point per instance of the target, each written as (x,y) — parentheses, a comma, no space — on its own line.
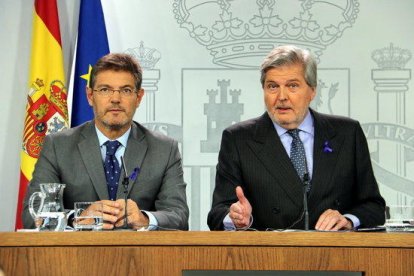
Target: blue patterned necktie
(112,169)
(297,154)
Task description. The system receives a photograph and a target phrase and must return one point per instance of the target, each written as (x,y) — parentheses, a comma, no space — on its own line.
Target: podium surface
(172,253)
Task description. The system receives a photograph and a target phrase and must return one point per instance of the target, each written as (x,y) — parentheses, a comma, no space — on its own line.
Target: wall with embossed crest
(201,74)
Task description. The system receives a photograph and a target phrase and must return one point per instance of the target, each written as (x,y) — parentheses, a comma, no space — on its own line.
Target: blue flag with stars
(92,44)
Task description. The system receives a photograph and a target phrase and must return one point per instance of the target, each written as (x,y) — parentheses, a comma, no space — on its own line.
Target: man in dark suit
(265,171)
(76,156)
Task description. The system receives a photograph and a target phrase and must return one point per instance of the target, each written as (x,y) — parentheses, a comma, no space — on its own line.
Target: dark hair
(289,55)
(117,62)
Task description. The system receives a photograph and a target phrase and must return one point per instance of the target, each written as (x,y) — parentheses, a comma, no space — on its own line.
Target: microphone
(306,182)
(125,183)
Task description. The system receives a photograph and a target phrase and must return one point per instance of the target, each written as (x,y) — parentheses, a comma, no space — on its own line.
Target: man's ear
(89,96)
(313,93)
(140,95)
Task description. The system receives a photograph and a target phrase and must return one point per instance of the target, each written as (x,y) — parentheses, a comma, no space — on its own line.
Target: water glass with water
(399,218)
(88,216)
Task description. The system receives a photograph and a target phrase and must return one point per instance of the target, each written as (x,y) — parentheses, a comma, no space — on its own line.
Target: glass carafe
(50,214)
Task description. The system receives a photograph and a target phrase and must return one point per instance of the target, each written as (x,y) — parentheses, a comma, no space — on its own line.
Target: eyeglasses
(106,92)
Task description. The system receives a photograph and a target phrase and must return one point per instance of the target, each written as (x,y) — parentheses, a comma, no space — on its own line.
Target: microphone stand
(125,183)
(305,199)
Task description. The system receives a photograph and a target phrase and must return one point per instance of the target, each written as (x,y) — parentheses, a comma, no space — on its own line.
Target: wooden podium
(171,253)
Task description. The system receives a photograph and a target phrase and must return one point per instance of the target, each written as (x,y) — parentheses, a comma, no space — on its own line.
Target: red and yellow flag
(46,110)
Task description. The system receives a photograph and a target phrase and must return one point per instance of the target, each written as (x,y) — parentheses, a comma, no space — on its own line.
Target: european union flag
(92,44)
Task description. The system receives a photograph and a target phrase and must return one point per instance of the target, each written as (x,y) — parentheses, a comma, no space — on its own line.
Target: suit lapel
(134,156)
(324,161)
(92,158)
(269,150)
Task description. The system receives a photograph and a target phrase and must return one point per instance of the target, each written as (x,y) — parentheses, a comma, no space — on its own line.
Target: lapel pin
(134,174)
(326,147)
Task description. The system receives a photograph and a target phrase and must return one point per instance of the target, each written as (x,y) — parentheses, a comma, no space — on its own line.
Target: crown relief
(147,57)
(240,33)
(391,57)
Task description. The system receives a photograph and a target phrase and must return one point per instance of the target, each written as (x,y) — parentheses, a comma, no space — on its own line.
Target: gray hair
(289,55)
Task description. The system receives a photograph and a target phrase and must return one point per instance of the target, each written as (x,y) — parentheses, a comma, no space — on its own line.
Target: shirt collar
(305,126)
(123,139)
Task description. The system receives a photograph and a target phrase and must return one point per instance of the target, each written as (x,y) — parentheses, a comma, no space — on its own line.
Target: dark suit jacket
(73,157)
(253,157)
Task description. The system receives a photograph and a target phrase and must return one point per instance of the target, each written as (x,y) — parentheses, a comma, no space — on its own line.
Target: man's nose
(116,96)
(283,92)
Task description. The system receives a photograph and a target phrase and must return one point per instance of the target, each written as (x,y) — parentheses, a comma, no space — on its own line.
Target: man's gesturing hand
(241,211)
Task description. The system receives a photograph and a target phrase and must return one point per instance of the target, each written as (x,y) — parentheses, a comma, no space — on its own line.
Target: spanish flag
(46,110)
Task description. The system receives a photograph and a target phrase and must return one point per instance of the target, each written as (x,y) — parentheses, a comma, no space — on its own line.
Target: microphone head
(123,166)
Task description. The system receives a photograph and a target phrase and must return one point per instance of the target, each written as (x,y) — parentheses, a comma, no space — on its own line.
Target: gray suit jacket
(253,157)
(73,157)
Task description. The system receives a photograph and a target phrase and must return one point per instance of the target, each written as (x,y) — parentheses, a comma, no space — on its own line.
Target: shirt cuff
(152,221)
(229,225)
(355,221)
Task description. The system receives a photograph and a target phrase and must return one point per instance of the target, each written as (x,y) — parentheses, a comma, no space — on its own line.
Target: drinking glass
(399,218)
(88,216)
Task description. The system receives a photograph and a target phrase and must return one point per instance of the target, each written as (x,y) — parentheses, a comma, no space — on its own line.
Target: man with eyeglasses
(293,167)
(88,158)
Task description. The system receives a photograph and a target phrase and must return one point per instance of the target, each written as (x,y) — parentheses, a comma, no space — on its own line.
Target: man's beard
(112,126)
(296,120)
(115,127)
(279,121)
